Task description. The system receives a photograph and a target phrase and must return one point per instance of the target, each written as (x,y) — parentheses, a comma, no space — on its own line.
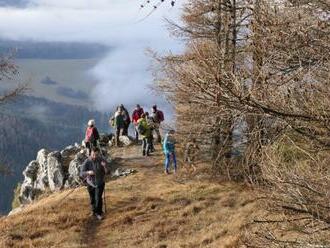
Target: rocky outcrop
(53,171)
(74,169)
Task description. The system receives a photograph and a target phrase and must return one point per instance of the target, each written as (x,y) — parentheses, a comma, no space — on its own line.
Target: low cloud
(122,77)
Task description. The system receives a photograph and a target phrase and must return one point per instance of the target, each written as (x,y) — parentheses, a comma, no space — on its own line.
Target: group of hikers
(146,125)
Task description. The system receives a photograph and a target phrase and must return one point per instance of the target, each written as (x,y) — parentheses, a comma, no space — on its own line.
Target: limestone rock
(42,177)
(74,169)
(53,171)
(56,174)
(123,172)
(126,140)
(69,150)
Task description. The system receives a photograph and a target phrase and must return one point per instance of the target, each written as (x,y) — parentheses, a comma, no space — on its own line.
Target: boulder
(126,140)
(28,193)
(123,172)
(42,177)
(56,174)
(74,170)
(31,171)
(69,150)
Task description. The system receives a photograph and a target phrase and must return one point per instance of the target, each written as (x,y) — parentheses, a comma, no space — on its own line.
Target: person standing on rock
(158,118)
(145,132)
(91,136)
(137,113)
(169,151)
(93,171)
(117,121)
(127,120)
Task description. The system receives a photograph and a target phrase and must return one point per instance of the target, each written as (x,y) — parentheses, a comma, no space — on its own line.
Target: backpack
(90,135)
(160,115)
(141,128)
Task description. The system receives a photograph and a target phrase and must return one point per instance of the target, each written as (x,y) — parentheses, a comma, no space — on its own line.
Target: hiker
(151,124)
(169,151)
(127,120)
(93,171)
(138,111)
(117,122)
(91,136)
(158,118)
(190,154)
(145,132)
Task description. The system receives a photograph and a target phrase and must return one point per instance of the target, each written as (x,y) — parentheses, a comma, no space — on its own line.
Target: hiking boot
(166,172)
(99,217)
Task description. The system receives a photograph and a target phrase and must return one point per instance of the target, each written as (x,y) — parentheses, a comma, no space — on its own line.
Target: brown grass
(147,209)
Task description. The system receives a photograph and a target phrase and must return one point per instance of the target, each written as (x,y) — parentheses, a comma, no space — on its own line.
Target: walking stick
(104,201)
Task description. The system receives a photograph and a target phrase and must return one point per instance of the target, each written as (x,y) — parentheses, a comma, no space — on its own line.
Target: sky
(122,76)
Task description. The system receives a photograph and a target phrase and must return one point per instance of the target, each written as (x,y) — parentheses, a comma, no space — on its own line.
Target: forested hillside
(52,50)
(29,124)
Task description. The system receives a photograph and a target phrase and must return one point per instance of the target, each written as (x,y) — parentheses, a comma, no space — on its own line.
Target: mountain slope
(29,124)
(147,209)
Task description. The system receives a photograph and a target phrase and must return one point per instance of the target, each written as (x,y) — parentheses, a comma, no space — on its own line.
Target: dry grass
(147,209)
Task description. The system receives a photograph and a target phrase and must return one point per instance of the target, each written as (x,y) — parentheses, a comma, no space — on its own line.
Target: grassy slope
(147,209)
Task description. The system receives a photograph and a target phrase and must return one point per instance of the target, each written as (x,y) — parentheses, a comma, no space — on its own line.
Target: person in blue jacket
(169,151)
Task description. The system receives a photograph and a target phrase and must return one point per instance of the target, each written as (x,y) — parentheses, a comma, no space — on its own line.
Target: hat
(91,122)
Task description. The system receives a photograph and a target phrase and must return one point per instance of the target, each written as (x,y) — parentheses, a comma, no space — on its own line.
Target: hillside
(146,209)
(29,124)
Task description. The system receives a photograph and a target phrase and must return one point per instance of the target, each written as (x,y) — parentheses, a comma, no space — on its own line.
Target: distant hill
(29,124)
(14,3)
(52,50)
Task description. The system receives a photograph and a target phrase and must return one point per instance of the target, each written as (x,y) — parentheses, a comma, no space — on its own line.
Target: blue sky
(124,70)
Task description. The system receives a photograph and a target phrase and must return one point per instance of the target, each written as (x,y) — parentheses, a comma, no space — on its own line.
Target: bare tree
(262,68)
(8,71)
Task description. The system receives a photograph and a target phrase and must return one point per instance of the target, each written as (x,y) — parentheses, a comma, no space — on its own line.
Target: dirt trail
(151,209)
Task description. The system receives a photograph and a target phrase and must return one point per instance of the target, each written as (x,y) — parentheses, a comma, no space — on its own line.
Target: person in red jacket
(91,136)
(137,113)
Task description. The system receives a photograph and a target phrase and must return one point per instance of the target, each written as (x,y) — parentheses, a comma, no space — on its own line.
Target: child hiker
(169,151)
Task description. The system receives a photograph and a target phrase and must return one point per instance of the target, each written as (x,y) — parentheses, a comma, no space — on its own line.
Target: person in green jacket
(145,131)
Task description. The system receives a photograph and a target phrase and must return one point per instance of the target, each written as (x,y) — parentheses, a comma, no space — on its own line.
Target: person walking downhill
(169,151)
(117,121)
(127,120)
(94,171)
(158,118)
(145,132)
(91,136)
(138,111)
